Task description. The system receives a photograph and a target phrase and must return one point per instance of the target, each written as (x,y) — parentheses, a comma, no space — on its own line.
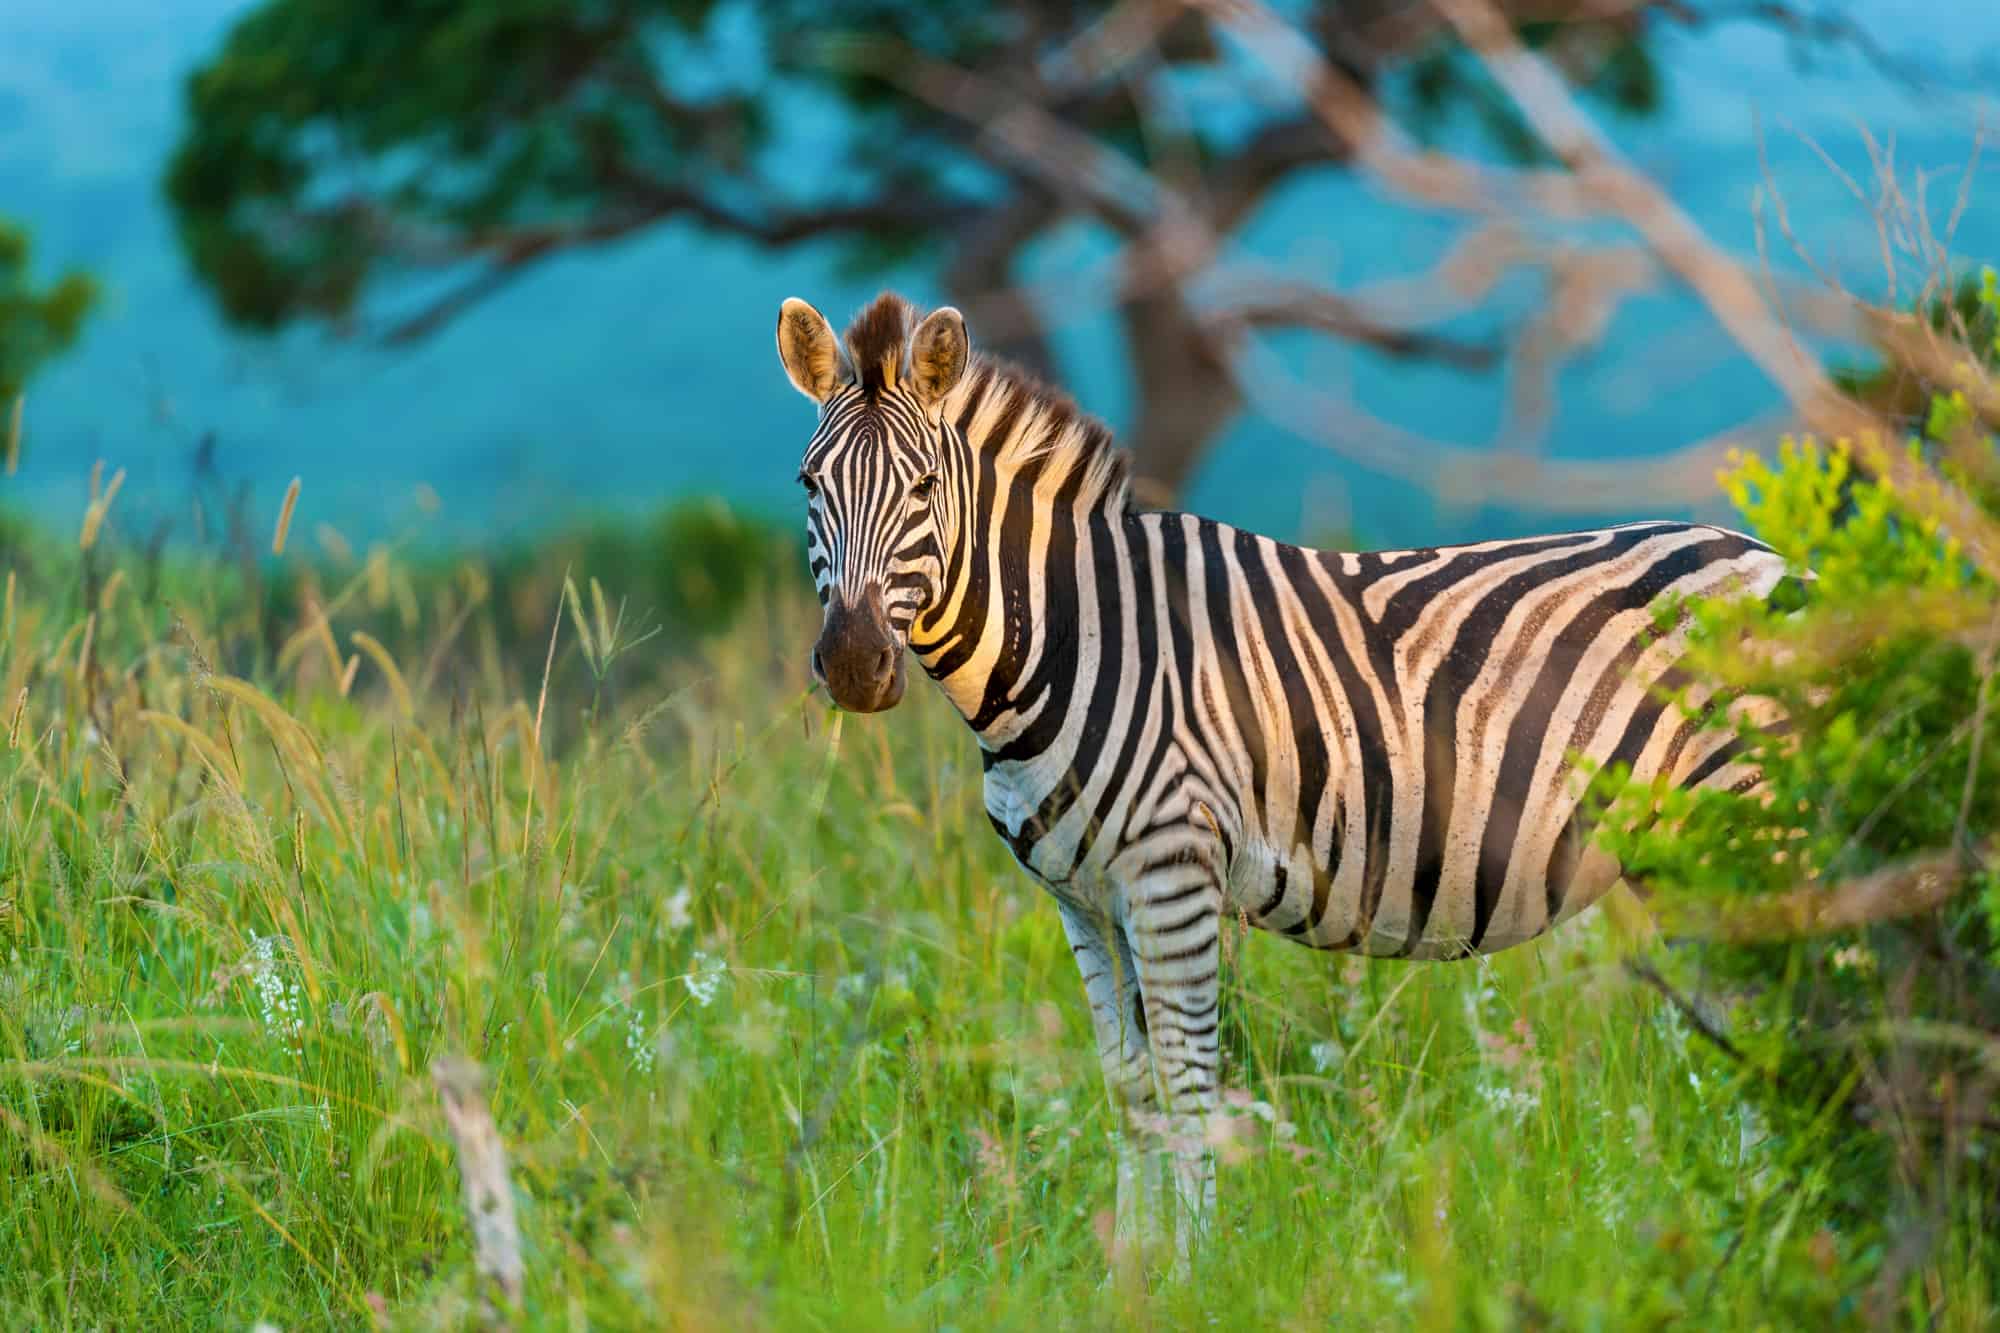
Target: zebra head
(877,491)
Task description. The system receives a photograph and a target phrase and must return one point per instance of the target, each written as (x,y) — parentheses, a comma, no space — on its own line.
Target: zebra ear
(809,350)
(939,351)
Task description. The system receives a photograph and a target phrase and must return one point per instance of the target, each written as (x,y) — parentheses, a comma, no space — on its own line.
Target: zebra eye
(812,487)
(924,485)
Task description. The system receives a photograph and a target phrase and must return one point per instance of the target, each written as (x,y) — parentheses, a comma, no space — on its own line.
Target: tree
(334,147)
(35,325)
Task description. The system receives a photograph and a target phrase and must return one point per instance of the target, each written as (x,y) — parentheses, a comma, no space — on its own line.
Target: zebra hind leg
(1111,985)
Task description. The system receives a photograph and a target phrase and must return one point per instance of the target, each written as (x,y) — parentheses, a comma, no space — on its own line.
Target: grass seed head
(285,518)
(93,517)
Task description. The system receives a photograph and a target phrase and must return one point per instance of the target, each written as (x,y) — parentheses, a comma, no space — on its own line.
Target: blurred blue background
(612,379)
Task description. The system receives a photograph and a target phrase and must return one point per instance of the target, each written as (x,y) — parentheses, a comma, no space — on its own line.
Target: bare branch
(1304,307)
(1470,475)
(1236,186)
(1379,147)
(1722,285)
(510,251)
(1068,161)
(1644,971)
(1174,243)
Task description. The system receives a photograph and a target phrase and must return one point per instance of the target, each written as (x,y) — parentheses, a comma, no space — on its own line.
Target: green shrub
(35,326)
(1852,908)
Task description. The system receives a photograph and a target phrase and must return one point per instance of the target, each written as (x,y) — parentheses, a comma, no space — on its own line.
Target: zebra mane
(1007,412)
(878,342)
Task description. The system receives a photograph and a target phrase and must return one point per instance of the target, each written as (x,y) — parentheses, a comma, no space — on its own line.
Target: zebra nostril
(818,667)
(885,664)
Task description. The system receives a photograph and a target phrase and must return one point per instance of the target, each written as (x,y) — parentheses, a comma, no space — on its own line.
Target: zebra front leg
(1174,927)
(1112,986)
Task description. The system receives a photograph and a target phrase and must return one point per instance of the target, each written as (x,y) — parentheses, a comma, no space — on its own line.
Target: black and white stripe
(1180,720)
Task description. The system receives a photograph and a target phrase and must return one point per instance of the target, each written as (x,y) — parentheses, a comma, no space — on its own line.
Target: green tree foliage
(1854,910)
(335,149)
(36,323)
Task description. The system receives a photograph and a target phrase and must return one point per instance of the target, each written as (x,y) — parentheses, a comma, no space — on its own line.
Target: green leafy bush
(1851,909)
(36,326)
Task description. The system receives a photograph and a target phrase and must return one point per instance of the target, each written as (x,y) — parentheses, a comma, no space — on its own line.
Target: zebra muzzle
(858,657)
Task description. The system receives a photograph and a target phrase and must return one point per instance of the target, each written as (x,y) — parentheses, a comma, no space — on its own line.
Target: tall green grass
(775,1033)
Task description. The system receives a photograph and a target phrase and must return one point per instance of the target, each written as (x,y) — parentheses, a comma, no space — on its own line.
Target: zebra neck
(1005,642)
(1036,493)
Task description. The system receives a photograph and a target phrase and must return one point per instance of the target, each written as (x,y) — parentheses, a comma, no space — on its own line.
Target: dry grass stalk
(386,664)
(83,651)
(14,433)
(285,518)
(109,597)
(534,758)
(482,1167)
(93,517)
(574,602)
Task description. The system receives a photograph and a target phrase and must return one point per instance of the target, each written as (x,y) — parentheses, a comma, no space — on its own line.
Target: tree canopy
(335,149)
(36,324)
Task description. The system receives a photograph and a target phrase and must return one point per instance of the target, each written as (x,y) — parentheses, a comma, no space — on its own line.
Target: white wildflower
(1326,1055)
(639,1042)
(277,996)
(704,978)
(679,910)
(1500,1098)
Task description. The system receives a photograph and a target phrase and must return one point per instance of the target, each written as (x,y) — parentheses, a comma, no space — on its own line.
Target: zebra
(1182,721)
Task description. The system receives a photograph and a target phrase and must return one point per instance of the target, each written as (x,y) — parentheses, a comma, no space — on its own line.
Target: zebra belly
(1394,911)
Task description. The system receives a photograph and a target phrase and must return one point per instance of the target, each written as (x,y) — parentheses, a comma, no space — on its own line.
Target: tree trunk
(980,279)
(1186,394)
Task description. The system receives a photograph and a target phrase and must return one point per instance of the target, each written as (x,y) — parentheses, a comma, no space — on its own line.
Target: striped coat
(1180,720)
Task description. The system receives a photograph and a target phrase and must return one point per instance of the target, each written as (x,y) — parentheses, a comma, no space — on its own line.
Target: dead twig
(1641,970)
(482,1168)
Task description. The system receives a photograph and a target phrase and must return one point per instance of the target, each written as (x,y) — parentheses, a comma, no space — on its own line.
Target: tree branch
(1721,284)
(980,277)
(1239,184)
(509,251)
(1311,308)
